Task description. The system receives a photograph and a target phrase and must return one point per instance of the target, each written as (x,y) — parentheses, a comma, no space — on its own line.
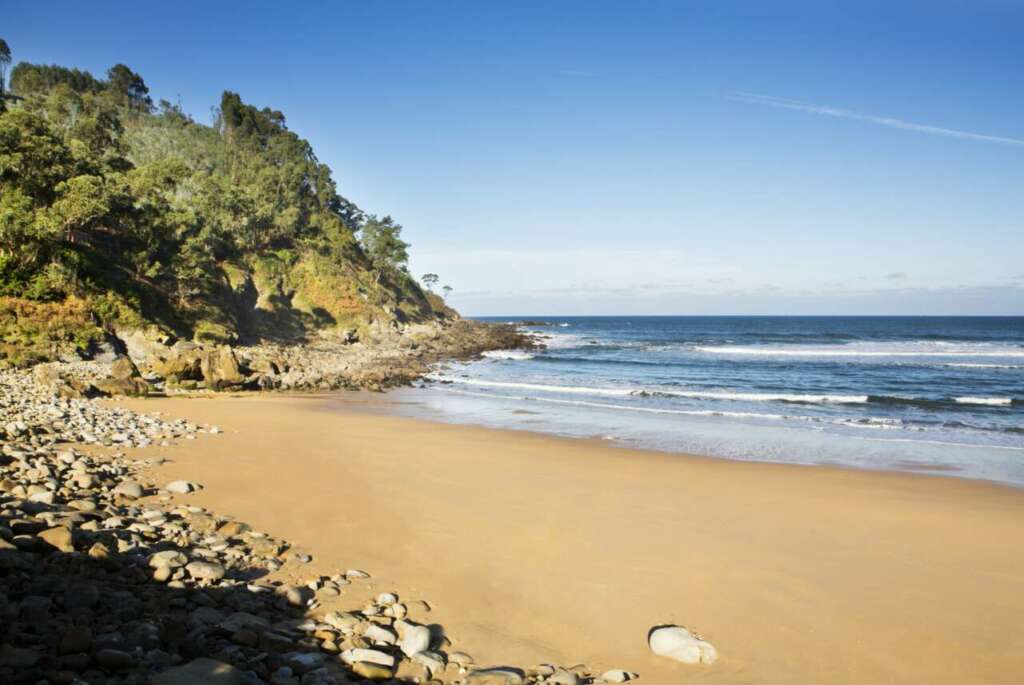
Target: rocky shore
(110,576)
(138,363)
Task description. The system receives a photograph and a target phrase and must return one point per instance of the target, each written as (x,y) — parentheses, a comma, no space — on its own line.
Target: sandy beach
(533,548)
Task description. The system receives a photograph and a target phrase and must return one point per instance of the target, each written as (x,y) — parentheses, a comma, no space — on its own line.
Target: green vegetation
(143,217)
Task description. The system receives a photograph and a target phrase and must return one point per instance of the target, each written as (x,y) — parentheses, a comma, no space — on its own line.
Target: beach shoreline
(536,548)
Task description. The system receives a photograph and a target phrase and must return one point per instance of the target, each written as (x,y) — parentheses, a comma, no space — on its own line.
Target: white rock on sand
(680,644)
(182,487)
(415,640)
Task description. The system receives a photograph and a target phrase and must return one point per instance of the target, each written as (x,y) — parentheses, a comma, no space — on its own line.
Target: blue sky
(630,157)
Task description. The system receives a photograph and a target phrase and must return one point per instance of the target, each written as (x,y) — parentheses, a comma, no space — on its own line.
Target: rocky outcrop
(384,355)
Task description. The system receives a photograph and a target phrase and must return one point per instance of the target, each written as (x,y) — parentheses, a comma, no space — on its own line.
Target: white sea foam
(760,396)
(507,354)
(561,341)
(564,389)
(866,422)
(639,392)
(994,401)
(971,365)
(870,349)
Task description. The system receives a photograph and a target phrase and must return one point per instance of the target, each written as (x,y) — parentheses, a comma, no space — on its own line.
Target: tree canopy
(152,215)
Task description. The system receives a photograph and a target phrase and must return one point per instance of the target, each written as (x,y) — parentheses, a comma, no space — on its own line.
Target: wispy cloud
(782,103)
(896,275)
(574,72)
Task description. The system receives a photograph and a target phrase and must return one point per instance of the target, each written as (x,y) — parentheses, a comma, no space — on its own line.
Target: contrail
(782,103)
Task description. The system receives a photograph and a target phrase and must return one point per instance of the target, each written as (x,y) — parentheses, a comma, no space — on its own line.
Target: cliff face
(118,215)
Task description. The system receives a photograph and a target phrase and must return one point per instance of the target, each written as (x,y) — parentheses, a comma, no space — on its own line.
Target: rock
(75,639)
(128,488)
(296,596)
(356,573)
(241,620)
(205,570)
(496,676)
(220,369)
(433,662)
(561,676)
(201,671)
(386,599)
(232,528)
(460,658)
(81,596)
(415,640)
(18,657)
(373,656)
(345,622)
(169,557)
(180,365)
(678,643)
(380,634)
(130,387)
(123,368)
(99,552)
(371,671)
(304,662)
(115,659)
(618,676)
(58,538)
(182,487)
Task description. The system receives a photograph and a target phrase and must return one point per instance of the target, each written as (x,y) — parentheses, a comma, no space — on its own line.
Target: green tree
(447,290)
(430,280)
(129,88)
(382,242)
(5,61)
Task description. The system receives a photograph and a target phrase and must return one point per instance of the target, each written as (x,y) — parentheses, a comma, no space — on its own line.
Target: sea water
(909,393)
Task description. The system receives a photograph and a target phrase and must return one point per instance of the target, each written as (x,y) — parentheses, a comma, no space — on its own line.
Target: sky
(630,157)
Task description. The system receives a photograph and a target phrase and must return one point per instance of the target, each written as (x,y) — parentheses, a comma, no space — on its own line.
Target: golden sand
(537,549)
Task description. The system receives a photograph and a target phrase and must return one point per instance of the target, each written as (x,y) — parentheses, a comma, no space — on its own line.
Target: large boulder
(180,363)
(123,368)
(144,346)
(220,369)
(676,642)
(131,387)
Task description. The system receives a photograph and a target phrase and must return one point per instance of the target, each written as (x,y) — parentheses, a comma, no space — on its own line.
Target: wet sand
(534,548)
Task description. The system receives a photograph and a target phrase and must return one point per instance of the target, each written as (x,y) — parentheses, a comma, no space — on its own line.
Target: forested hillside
(118,212)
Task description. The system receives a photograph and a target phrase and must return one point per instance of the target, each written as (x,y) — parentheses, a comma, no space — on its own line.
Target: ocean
(930,394)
